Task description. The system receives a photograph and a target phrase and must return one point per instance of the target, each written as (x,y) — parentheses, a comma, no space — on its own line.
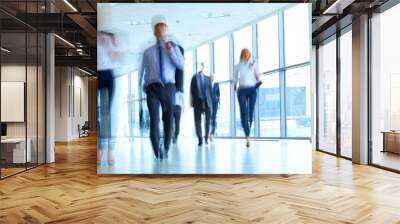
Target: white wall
(33,126)
(71,87)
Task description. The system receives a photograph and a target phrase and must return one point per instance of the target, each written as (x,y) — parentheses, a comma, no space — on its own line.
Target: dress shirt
(104,61)
(245,74)
(171,59)
(179,101)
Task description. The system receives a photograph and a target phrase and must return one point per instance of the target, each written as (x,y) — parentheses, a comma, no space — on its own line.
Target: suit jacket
(195,91)
(179,75)
(215,93)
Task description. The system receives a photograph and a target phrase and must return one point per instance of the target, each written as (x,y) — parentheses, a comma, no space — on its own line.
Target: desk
(15,148)
(391,141)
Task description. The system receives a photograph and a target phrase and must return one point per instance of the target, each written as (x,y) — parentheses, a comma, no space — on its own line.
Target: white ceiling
(185,21)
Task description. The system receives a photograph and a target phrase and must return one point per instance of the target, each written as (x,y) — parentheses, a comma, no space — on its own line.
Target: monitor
(3,129)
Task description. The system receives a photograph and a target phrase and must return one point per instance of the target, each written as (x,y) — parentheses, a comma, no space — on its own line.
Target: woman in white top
(246,79)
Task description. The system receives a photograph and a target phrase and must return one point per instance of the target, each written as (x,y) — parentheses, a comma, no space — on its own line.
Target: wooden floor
(70,191)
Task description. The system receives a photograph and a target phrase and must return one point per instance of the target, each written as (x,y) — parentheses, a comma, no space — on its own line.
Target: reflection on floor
(387,159)
(10,171)
(222,156)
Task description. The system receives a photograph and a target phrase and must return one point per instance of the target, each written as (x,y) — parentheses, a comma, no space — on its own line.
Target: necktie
(202,86)
(160,57)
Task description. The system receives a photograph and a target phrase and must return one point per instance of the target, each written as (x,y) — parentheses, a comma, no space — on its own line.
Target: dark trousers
(247,99)
(198,111)
(214,118)
(160,95)
(105,95)
(177,120)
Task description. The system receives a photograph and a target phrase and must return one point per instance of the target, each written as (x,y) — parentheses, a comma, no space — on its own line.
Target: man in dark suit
(201,100)
(215,94)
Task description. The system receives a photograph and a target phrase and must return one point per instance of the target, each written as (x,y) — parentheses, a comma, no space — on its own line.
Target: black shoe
(164,155)
(157,155)
(206,139)
(200,143)
(166,150)
(174,140)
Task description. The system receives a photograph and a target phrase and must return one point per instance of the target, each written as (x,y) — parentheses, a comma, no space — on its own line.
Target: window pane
(298,102)
(187,120)
(385,87)
(269,103)
(242,39)
(203,55)
(224,111)
(268,44)
(297,34)
(32,100)
(14,70)
(221,59)
(327,97)
(346,94)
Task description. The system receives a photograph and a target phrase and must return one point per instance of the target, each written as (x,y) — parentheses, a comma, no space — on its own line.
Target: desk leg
(384,143)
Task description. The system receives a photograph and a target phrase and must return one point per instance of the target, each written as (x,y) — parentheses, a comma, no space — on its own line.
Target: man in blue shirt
(160,62)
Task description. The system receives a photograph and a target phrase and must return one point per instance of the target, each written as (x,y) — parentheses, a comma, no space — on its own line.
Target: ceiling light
(5,50)
(84,71)
(138,23)
(212,15)
(70,5)
(64,40)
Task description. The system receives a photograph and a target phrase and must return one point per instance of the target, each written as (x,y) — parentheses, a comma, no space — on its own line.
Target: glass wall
(285,74)
(22,88)
(203,56)
(327,96)
(268,44)
(221,59)
(187,119)
(269,106)
(298,102)
(334,100)
(346,94)
(242,39)
(222,75)
(297,34)
(385,84)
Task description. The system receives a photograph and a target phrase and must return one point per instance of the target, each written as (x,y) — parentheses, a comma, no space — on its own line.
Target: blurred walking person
(200,94)
(247,80)
(107,58)
(159,64)
(215,93)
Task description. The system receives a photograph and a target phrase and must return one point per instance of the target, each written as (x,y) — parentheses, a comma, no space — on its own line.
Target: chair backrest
(86,124)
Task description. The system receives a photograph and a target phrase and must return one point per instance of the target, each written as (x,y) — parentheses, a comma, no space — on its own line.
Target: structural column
(50,106)
(50,92)
(360,90)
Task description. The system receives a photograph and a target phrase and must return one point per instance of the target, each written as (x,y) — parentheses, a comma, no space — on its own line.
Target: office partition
(22,77)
